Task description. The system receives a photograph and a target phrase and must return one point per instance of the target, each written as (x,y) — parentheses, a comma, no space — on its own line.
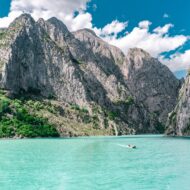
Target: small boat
(131,146)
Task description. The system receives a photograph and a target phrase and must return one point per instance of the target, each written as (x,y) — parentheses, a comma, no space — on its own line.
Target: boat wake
(126,146)
(122,145)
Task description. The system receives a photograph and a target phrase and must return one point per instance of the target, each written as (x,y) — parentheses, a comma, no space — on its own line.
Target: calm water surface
(102,163)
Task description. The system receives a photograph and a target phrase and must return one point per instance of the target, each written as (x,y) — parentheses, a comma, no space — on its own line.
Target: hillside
(132,94)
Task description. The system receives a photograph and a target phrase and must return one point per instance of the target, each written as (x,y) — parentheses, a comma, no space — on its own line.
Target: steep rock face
(151,83)
(99,47)
(36,63)
(179,119)
(44,58)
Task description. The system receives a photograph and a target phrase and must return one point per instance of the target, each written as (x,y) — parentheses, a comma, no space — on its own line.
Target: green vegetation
(128,102)
(172,117)
(186,130)
(77,61)
(81,110)
(98,119)
(112,115)
(125,103)
(160,127)
(17,121)
(2,35)
(84,115)
(188,71)
(46,37)
(31,116)
(1,64)
(96,122)
(75,107)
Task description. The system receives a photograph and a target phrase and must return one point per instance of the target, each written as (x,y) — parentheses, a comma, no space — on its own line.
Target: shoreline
(79,137)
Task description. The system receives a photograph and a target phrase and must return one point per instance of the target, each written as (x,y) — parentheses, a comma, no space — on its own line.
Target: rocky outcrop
(179,119)
(151,83)
(135,92)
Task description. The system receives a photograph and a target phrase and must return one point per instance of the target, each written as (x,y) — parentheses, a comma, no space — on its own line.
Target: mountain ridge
(178,123)
(79,68)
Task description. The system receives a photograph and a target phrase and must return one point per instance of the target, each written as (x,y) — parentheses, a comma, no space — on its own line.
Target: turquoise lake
(95,163)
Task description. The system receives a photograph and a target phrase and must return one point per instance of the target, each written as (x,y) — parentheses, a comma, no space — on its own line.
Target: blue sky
(4,7)
(113,20)
(137,10)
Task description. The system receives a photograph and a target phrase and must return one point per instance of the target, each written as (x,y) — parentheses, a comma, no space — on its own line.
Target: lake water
(99,163)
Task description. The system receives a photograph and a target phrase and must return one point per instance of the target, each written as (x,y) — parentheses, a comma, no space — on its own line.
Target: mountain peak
(87,31)
(45,59)
(137,56)
(58,24)
(25,19)
(133,52)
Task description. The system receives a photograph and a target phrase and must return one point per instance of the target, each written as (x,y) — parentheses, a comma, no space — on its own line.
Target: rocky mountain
(152,83)
(126,94)
(147,79)
(178,123)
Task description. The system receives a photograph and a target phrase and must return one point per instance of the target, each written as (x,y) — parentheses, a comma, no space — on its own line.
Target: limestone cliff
(152,83)
(179,119)
(134,93)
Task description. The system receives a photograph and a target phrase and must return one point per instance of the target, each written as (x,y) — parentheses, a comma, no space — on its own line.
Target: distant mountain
(179,119)
(123,94)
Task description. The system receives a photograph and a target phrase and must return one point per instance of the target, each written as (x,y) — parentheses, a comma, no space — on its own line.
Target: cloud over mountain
(76,16)
(71,12)
(155,42)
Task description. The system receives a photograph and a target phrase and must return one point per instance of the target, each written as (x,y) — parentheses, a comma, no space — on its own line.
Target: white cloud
(83,20)
(5,21)
(114,28)
(94,7)
(144,24)
(155,42)
(166,15)
(178,61)
(63,9)
(164,29)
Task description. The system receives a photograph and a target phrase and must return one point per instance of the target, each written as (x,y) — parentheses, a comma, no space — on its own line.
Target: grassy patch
(172,117)
(2,35)
(16,119)
(186,130)
(112,115)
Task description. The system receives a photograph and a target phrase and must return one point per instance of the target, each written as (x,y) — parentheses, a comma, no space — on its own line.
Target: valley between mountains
(57,83)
